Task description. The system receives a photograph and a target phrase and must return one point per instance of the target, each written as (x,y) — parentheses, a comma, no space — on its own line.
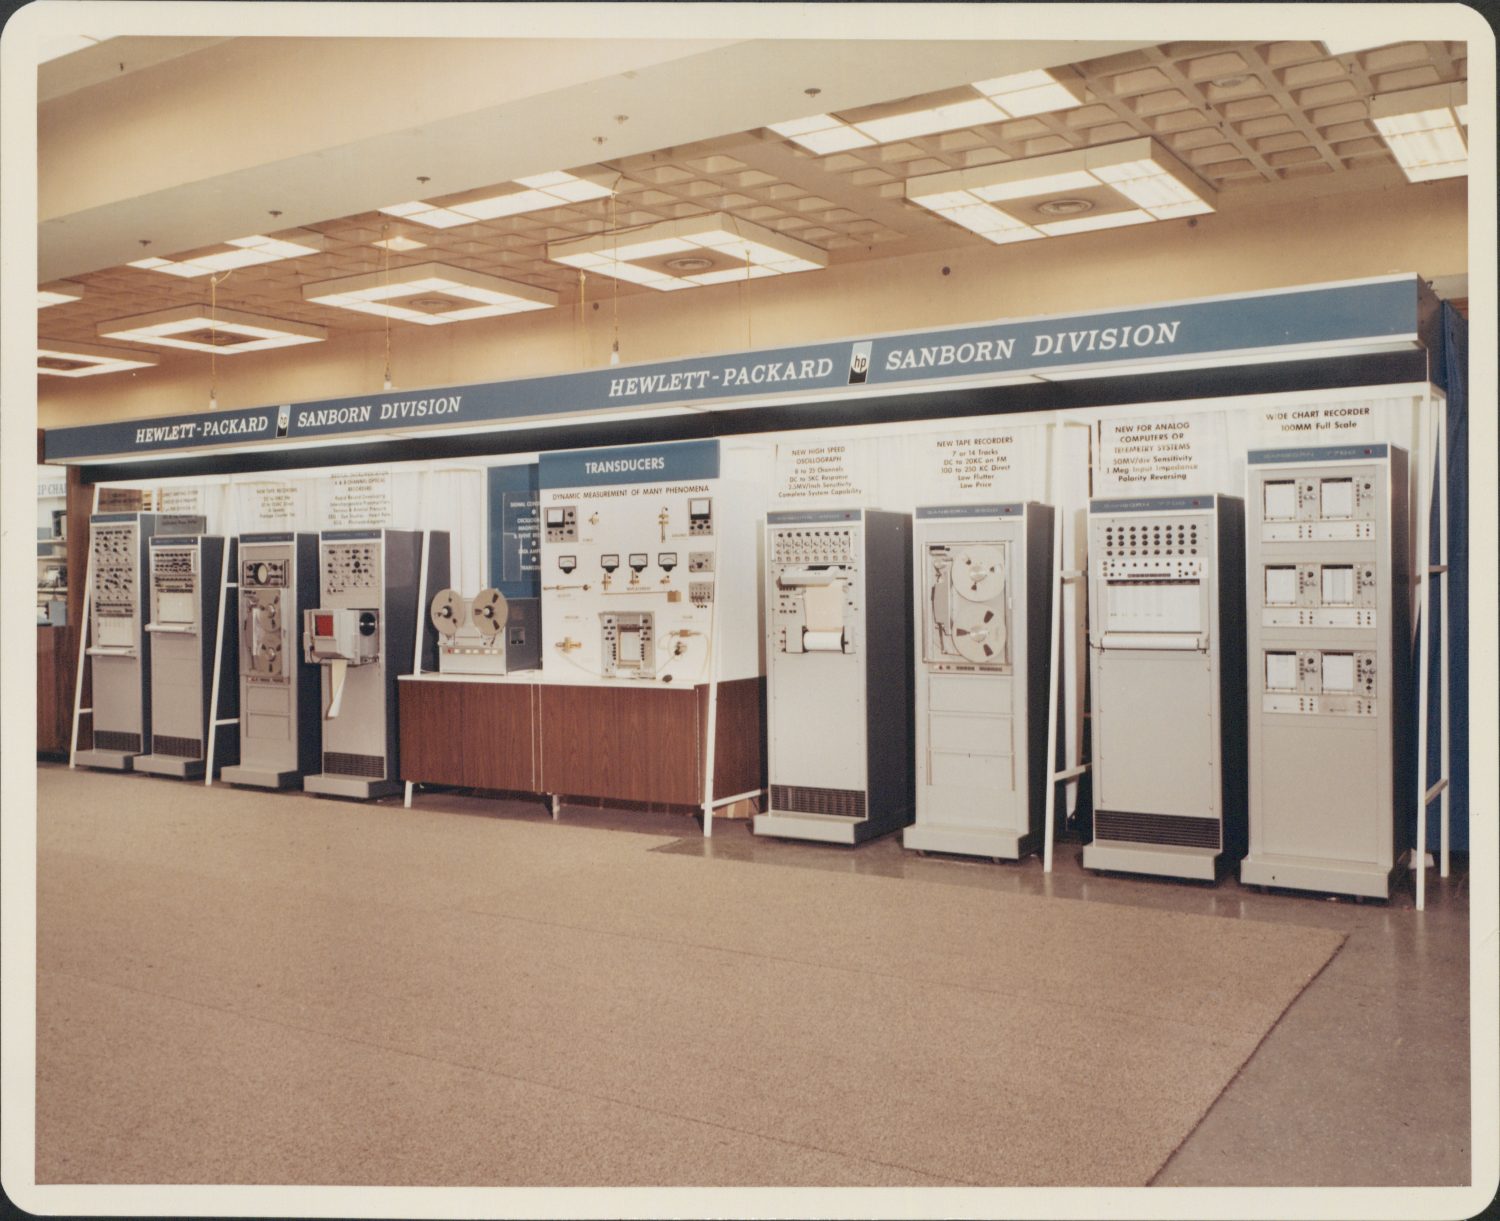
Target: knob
(367,623)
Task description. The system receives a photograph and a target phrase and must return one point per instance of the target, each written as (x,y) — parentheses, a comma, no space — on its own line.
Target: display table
(645,742)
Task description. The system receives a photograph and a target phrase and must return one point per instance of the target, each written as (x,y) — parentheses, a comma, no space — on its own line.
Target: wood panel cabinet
(637,744)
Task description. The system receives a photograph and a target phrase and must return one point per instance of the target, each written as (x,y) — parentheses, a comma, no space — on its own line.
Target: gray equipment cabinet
(983,593)
(119,647)
(1332,761)
(361,635)
(1167,678)
(279,697)
(187,583)
(838,674)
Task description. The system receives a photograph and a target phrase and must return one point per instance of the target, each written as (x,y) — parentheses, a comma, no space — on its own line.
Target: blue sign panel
(515,533)
(677,462)
(1360,312)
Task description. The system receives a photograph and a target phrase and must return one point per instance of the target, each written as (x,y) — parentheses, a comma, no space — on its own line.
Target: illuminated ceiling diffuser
(1133,182)
(58,292)
(553,190)
(226,331)
(1425,129)
(713,249)
(989,101)
(64,358)
(429,293)
(237,252)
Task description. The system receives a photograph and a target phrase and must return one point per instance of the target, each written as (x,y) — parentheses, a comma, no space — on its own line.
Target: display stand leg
(83,637)
(406,801)
(556,807)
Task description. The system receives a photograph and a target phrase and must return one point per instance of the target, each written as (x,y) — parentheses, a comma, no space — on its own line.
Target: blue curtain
(1454,372)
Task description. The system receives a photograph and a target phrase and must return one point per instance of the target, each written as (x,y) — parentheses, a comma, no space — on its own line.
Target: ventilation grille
(178,748)
(795,799)
(1157,829)
(113,739)
(341,763)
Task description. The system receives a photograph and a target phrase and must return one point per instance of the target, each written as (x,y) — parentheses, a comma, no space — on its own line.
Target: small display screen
(322,625)
(698,508)
(554,517)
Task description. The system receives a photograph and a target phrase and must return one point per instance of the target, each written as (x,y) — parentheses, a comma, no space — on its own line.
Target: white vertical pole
(213,691)
(1444,711)
(711,729)
(1424,522)
(83,630)
(1054,617)
(416,649)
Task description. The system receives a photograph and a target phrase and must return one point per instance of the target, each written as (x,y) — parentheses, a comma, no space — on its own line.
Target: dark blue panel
(515,558)
(677,462)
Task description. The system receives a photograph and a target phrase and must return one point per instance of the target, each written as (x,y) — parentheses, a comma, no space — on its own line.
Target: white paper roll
(338,669)
(823,642)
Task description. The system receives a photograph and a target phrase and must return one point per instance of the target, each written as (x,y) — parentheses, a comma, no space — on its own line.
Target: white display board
(822,470)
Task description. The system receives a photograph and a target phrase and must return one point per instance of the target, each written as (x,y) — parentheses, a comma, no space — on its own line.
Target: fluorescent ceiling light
(1136,181)
(235,253)
(58,292)
(1343,44)
(1425,130)
(714,249)
(429,294)
(555,189)
(1003,97)
(1038,92)
(64,358)
(227,331)
(401,244)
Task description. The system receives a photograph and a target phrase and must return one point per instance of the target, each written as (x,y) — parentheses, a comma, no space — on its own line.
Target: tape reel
(488,611)
(447,612)
(978,572)
(979,633)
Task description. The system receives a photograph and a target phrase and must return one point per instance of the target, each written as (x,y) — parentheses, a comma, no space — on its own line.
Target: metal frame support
(83,633)
(1063,581)
(225,585)
(416,652)
(1433,459)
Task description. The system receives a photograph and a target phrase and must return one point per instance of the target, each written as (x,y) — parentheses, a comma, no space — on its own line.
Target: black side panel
(1234,741)
(403,619)
(890,690)
(1040,521)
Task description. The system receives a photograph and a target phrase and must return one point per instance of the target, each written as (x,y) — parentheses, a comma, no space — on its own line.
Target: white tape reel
(447,612)
(488,611)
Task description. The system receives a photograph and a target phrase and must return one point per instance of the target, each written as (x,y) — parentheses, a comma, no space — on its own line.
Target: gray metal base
(325,785)
(1313,873)
(109,760)
(259,777)
(1166,860)
(968,841)
(826,828)
(169,765)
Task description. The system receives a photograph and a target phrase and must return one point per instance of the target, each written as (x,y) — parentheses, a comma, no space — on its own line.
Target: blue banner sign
(1355,313)
(676,462)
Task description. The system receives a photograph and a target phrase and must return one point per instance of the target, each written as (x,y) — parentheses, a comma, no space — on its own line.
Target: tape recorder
(487,633)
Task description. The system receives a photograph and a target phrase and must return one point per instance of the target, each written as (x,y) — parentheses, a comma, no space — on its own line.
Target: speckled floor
(350,927)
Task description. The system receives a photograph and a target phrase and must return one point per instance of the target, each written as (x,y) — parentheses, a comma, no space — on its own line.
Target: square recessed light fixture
(64,358)
(401,244)
(58,292)
(226,331)
(235,253)
(429,294)
(990,101)
(556,189)
(1133,182)
(1425,129)
(689,253)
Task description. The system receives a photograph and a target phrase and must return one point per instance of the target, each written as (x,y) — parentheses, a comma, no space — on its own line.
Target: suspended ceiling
(1255,120)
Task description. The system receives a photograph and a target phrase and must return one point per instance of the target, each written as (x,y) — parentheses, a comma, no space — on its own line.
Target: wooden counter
(620,742)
